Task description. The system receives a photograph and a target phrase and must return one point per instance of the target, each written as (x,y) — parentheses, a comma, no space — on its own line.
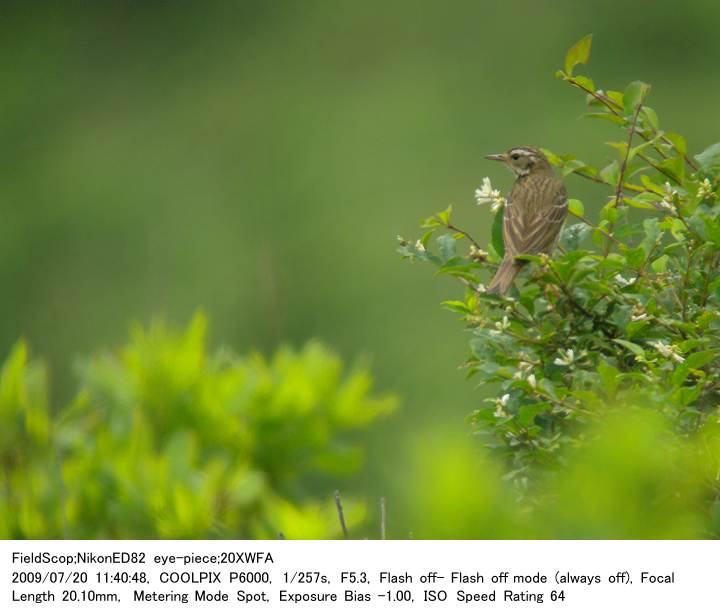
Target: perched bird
(535,211)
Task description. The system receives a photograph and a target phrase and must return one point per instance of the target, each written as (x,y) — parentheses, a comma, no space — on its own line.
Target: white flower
(487,194)
(566,358)
(500,406)
(477,254)
(705,189)
(667,350)
(639,317)
(668,206)
(524,368)
(623,281)
(668,202)
(419,246)
(502,325)
(532,380)
(481,288)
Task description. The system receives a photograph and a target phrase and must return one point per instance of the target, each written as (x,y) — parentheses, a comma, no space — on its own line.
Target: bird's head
(523,160)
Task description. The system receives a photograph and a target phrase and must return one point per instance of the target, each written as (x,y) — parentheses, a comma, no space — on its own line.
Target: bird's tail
(505,275)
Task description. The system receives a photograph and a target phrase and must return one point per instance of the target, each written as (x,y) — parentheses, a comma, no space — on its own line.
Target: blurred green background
(257,159)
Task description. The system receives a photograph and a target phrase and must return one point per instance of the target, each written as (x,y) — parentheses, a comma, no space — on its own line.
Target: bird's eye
(515,156)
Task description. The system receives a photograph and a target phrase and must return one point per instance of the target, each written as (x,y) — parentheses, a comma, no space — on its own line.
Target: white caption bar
(386,577)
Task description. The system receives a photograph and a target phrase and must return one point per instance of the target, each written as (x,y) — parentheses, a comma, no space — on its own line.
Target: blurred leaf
(651,116)
(674,167)
(659,265)
(444,216)
(632,347)
(709,158)
(678,142)
(576,207)
(611,173)
(446,246)
(579,53)
(528,412)
(634,96)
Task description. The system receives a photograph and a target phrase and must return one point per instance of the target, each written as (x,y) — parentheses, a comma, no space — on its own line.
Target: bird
(535,210)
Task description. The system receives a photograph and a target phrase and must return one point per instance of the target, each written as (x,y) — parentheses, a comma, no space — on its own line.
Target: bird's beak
(495,157)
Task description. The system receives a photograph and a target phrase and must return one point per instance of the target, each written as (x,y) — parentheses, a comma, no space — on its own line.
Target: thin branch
(341,515)
(593,178)
(613,106)
(465,233)
(468,284)
(383,526)
(623,167)
(587,176)
(655,166)
(596,228)
(571,298)
(567,405)
(710,271)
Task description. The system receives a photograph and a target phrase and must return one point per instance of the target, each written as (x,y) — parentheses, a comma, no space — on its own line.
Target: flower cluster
(487,194)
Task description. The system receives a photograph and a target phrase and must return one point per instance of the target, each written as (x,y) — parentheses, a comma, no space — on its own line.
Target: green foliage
(634,479)
(627,308)
(167,440)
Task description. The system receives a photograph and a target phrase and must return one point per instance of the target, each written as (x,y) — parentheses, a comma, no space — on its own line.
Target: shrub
(628,308)
(634,479)
(167,440)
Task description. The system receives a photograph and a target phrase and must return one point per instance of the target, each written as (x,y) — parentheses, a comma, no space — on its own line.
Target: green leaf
(616,97)
(575,207)
(637,203)
(635,256)
(571,166)
(647,183)
(527,413)
(686,395)
(430,222)
(579,53)
(699,359)
(456,306)
(709,158)
(604,115)
(611,173)
(634,96)
(446,246)
(678,142)
(692,362)
(585,82)
(651,116)
(444,216)
(637,149)
(574,235)
(674,167)
(632,347)
(712,229)
(609,377)
(659,265)
(497,232)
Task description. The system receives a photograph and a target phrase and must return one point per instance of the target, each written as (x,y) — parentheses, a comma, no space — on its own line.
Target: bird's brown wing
(533,227)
